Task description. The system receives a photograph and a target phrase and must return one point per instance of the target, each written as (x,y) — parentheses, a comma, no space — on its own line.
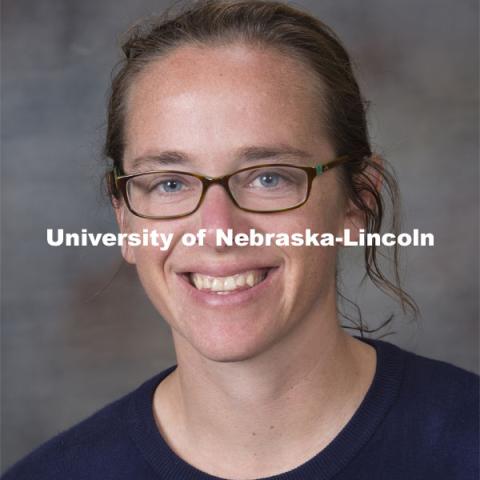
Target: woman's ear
(122,214)
(369,184)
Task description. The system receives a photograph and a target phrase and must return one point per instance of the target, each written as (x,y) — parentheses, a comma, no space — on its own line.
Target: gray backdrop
(75,336)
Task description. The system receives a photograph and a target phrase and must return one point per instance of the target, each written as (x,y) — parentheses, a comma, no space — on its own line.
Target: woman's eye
(168,186)
(267,180)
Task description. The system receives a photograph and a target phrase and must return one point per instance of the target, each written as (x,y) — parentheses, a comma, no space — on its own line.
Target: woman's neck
(267,414)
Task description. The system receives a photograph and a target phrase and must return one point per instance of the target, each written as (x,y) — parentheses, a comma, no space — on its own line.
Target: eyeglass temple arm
(319,169)
(116,173)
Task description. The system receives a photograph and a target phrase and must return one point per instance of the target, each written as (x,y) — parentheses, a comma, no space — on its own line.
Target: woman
(241,115)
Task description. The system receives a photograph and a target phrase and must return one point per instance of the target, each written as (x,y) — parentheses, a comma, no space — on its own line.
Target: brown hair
(276,25)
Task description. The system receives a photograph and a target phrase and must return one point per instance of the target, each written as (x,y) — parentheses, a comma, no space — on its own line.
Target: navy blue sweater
(419,420)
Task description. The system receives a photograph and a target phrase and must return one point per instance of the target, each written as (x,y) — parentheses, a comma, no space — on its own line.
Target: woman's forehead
(238,63)
(252,95)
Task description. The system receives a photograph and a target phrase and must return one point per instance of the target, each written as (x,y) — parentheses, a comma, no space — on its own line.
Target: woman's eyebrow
(162,159)
(270,151)
(247,154)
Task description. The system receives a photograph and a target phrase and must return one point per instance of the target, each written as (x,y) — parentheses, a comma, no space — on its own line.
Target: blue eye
(268,179)
(170,186)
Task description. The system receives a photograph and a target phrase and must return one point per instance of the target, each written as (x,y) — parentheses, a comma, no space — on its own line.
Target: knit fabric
(419,420)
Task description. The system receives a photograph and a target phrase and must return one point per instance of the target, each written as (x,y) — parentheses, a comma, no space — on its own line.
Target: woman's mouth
(228,284)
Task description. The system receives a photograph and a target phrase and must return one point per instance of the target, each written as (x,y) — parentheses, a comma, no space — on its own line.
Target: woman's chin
(230,353)
(232,339)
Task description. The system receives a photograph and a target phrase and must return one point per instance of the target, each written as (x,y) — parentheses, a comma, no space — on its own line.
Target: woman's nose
(217,211)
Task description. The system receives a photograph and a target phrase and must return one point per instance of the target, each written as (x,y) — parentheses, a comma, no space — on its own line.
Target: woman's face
(209,105)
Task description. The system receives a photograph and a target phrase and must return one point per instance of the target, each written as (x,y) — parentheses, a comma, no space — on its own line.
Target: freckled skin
(208,103)
(279,363)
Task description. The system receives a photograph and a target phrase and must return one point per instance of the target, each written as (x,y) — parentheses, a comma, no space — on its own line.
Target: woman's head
(258,23)
(209,90)
(215,111)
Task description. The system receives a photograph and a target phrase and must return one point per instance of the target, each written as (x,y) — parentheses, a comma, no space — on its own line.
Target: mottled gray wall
(70,345)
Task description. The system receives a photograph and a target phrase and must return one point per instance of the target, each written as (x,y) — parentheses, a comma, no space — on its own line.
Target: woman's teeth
(228,284)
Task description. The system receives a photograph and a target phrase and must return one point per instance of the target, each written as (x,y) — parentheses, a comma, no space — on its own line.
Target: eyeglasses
(270,188)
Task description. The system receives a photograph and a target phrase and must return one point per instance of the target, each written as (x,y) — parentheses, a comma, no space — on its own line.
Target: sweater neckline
(323,466)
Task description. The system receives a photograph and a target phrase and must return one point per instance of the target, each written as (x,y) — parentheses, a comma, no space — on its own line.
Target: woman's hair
(275,25)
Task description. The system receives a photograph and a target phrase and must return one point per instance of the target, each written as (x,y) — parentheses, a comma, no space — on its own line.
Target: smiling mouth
(230,284)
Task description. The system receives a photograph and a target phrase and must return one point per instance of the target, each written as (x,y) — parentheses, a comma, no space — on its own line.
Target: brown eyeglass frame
(120,182)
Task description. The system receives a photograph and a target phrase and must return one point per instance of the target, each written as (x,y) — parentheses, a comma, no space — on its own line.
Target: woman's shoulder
(100,443)
(427,376)
(426,382)
(436,399)
(419,419)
